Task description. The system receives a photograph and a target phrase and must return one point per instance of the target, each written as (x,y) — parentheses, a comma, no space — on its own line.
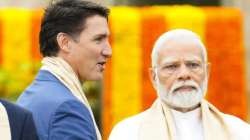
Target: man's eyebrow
(173,60)
(193,59)
(102,35)
(169,60)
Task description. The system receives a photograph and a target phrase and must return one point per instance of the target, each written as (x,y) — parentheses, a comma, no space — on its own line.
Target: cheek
(93,52)
(167,83)
(199,79)
(84,54)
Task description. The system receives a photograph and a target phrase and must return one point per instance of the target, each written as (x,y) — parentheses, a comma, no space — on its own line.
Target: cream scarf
(5,133)
(158,123)
(63,71)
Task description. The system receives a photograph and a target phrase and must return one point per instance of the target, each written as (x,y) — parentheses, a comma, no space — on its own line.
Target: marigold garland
(16,44)
(224,41)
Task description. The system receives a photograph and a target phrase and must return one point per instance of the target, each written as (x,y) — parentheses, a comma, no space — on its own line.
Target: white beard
(182,99)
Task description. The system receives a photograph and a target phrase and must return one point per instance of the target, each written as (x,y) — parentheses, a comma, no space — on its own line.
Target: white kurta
(188,125)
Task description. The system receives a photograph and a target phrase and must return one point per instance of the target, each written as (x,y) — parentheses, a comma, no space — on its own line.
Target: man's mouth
(185,88)
(101,65)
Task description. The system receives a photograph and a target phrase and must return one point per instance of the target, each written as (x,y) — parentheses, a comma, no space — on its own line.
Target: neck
(70,63)
(184,110)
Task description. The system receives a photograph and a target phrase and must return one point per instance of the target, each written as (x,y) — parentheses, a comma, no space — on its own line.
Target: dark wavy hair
(67,16)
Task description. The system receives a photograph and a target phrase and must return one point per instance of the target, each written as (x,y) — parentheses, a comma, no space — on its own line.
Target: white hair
(176,35)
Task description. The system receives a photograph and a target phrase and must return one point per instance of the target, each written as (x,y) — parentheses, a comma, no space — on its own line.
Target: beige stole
(63,71)
(158,123)
(5,133)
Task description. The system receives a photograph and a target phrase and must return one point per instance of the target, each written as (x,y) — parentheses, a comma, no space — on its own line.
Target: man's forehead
(169,47)
(178,42)
(97,25)
(181,42)
(175,51)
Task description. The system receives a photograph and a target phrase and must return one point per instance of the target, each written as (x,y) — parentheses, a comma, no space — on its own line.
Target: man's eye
(99,39)
(193,65)
(170,67)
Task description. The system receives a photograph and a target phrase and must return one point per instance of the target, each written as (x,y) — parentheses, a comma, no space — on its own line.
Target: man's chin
(183,100)
(96,77)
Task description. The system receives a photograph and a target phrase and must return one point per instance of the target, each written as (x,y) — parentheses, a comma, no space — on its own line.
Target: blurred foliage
(13,83)
(93,90)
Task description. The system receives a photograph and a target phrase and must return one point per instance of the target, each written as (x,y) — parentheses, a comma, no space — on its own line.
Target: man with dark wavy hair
(74,44)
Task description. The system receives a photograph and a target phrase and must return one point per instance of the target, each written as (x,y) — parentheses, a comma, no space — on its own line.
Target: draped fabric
(158,122)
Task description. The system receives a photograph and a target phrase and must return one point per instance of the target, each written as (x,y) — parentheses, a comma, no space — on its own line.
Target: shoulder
(237,127)
(235,121)
(45,90)
(127,128)
(14,110)
(21,121)
(45,85)
(45,94)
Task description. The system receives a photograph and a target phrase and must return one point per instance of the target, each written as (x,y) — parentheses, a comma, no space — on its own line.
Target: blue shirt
(58,115)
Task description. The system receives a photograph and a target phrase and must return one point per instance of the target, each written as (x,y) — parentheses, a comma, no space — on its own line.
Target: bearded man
(180,72)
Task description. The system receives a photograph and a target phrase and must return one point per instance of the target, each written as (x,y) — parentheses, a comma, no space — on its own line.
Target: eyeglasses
(172,68)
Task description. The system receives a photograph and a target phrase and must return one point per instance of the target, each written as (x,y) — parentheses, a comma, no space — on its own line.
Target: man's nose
(107,51)
(184,73)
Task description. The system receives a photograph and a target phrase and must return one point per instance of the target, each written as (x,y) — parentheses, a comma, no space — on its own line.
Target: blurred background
(135,25)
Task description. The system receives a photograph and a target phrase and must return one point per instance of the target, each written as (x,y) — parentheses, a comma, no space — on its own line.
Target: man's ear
(63,41)
(152,76)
